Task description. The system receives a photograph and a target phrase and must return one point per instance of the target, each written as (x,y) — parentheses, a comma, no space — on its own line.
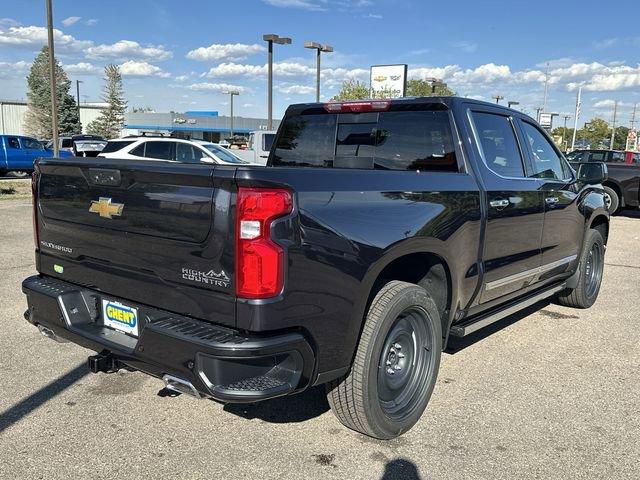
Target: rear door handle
(500,203)
(551,200)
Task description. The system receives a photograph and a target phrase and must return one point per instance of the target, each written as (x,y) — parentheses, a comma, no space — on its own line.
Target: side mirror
(207,160)
(593,173)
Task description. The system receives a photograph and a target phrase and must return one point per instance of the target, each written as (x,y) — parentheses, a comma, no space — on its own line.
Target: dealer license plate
(120,317)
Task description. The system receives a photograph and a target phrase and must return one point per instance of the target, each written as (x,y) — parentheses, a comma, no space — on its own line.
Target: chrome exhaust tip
(179,385)
(47,332)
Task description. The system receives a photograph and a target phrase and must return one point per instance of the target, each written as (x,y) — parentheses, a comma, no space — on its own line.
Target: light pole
(78,82)
(231,93)
(272,38)
(613,126)
(511,103)
(52,76)
(435,82)
(538,110)
(318,48)
(497,98)
(564,131)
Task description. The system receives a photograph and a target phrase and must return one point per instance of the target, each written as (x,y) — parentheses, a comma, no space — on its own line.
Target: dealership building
(200,125)
(203,125)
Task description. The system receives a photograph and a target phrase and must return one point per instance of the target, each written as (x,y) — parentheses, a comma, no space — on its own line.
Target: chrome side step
(475,324)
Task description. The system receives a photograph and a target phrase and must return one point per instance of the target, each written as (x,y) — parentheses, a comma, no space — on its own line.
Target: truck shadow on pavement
(27,405)
(290,409)
(400,469)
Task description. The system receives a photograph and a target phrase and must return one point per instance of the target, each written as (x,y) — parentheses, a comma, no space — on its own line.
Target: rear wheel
(396,364)
(591,270)
(611,200)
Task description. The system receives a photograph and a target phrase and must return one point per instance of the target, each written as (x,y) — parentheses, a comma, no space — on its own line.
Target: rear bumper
(220,363)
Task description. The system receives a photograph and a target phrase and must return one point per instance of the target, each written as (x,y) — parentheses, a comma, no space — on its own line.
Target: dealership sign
(389,81)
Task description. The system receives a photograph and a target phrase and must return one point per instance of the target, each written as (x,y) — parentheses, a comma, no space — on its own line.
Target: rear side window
(596,156)
(185,153)
(111,147)
(499,145)
(32,144)
(66,143)
(617,157)
(395,140)
(13,142)
(267,141)
(159,150)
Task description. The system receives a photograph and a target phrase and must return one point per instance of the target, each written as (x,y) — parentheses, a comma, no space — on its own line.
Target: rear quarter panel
(349,225)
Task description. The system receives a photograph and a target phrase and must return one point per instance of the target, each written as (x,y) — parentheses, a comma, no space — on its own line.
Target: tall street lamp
(52,76)
(318,48)
(564,131)
(272,38)
(497,98)
(78,82)
(231,93)
(511,103)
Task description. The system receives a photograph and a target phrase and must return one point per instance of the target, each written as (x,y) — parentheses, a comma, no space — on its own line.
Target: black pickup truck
(622,187)
(377,231)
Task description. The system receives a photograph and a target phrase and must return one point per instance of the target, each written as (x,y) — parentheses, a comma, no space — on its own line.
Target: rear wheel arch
(601,223)
(425,268)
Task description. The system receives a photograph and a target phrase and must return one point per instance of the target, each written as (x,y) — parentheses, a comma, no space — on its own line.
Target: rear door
(563,222)
(155,233)
(515,210)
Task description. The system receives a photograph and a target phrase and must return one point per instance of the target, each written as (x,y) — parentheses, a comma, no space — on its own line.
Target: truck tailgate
(156,233)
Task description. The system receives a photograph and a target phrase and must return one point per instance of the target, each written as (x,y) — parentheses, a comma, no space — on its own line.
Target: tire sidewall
(593,237)
(412,296)
(615,199)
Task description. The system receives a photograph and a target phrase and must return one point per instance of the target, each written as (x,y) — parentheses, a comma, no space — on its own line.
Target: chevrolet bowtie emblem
(105,208)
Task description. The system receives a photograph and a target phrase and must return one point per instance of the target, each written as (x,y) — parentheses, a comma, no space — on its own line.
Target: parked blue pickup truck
(17,153)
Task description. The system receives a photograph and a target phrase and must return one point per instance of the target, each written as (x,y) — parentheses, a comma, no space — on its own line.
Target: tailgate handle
(105,176)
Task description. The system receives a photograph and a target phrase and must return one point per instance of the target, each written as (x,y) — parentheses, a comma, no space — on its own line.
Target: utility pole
(546,88)
(497,98)
(272,38)
(318,48)
(564,131)
(78,82)
(52,83)
(577,115)
(613,127)
(231,93)
(632,145)
(538,110)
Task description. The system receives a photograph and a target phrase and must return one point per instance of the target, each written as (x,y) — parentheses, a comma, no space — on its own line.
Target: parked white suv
(171,149)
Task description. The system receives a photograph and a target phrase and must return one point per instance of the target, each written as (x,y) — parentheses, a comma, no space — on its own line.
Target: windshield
(222,153)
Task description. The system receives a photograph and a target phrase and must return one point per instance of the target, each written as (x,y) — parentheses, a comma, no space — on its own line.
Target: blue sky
(183,55)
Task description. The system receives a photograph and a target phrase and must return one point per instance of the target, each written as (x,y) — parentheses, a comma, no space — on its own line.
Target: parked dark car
(622,188)
(378,231)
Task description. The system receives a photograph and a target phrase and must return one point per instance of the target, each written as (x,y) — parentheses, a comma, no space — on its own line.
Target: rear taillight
(259,260)
(357,107)
(34,211)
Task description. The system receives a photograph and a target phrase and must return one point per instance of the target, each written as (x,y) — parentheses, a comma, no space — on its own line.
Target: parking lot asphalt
(552,393)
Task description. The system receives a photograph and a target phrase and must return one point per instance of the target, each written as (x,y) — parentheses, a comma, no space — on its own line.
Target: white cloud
(128,49)
(296,89)
(91,22)
(215,87)
(374,16)
(608,104)
(14,69)
(33,37)
(303,4)
(67,22)
(134,68)
(227,51)
(8,22)
(181,78)
(82,68)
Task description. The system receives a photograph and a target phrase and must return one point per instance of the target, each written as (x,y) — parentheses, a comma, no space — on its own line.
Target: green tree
(596,132)
(620,140)
(38,117)
(352,90)
(559,133)
(423,88)
(111,119)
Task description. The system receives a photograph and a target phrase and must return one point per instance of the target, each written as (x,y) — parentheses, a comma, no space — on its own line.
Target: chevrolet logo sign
(105,208)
